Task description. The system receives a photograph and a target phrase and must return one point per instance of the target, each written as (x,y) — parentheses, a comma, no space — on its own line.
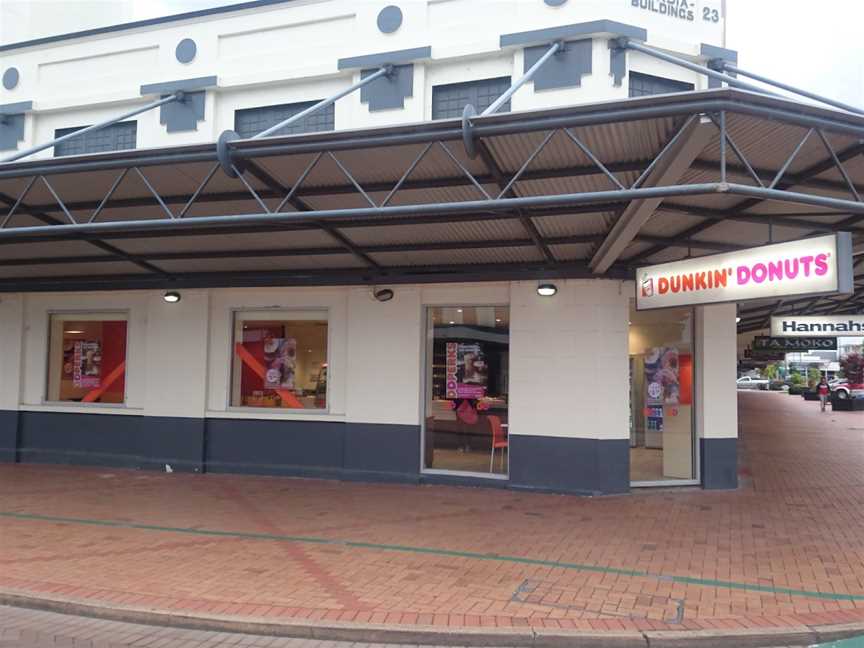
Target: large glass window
(87,358)
(116,137)
(662,447)
(467,367)
(280,360)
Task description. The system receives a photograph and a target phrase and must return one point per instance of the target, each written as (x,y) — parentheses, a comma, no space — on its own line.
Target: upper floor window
(115,137)
(251,121)
(450,100)
(646,84)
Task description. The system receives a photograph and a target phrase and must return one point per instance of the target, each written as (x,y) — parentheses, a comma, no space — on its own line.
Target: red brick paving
(797,522)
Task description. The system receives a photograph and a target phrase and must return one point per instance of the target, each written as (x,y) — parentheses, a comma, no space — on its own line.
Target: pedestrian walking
(823,390)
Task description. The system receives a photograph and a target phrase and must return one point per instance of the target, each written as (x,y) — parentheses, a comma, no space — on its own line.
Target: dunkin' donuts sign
(814,266)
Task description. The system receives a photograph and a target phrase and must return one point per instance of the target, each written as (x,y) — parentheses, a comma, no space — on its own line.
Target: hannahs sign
(814,266)
(817,326)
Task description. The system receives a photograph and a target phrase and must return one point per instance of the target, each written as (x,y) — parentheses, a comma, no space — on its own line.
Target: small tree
(853,369)
(771,371)
(796,378)
(813,375)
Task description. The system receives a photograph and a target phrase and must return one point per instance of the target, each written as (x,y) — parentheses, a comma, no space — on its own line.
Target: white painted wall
(569,360)
(288,52)
(176,342)
(11,334)
(716,362)
(568,354)
(384,357)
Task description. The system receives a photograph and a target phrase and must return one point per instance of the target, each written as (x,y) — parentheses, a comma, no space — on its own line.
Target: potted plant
(796,384)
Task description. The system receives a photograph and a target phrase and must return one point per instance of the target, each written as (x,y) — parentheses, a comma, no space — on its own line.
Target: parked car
(840,388)
(749,382)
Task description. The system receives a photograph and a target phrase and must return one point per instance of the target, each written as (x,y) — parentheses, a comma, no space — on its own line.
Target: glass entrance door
(662,433)
(467,367)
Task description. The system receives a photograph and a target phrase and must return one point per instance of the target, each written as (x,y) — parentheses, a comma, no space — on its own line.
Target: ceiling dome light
(383,295)
(172,296)
(547,289)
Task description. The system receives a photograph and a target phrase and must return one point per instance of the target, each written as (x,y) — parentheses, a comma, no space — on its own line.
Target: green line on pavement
(451,553)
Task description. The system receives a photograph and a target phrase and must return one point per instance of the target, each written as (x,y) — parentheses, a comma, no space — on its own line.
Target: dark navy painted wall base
(323,449)
(108,440)
(566,465)
(719,463)
(8,435)
(351,451)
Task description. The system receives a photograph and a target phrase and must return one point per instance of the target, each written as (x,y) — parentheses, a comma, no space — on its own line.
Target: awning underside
(541,198)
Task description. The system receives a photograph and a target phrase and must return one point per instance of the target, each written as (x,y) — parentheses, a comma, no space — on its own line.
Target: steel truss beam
(510,201)
(744,205)
(632,110)
(420,211)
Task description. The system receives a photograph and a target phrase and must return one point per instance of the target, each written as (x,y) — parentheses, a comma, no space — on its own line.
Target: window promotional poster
(280,355)
(662,384)
(87,364)
(467,370)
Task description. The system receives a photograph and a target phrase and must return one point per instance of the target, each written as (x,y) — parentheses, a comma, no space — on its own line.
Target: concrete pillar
(717,398)
(569,387)
(11,331)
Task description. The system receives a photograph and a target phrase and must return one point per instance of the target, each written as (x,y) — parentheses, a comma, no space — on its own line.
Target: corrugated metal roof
(377,158)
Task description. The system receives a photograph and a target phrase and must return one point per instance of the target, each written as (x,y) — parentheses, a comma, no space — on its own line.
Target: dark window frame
(122,136)
(251,121)
(649,84)
(450,99)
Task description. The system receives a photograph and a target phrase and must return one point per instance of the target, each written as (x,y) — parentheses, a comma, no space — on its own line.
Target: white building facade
(469,380)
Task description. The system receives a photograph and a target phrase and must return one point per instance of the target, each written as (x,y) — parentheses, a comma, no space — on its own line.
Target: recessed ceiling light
(73,332)
(497,319)
(458,310)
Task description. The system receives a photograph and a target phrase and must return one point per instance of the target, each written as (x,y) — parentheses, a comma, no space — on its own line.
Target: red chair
(499,440)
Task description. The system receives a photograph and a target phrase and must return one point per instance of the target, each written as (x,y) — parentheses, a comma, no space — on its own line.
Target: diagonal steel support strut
(177,96)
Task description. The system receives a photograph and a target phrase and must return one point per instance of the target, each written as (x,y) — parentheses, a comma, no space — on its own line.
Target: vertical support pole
(723,146)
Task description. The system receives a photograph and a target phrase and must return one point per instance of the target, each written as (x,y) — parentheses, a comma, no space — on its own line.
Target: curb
(432,635)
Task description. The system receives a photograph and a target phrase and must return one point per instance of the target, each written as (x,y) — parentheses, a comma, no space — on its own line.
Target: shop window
(87,358)
(450,100)
(251,121)
(467,364)
(647,84)
(662,443)
(280,360)
(116,137)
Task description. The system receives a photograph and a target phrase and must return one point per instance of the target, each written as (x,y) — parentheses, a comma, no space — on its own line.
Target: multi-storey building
(368,311)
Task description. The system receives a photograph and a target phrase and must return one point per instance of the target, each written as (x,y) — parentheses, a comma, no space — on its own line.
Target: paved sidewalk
(783,554)
(21,628)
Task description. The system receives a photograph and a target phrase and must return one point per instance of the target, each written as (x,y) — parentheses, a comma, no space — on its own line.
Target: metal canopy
(408,204)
